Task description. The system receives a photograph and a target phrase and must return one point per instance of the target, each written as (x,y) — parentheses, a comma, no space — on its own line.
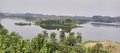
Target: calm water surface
(89,31)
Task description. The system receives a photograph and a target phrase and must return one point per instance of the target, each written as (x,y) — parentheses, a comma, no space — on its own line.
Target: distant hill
(31,16)
(105,19)
(2,15)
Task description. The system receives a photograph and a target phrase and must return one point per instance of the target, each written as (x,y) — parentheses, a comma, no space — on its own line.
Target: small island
(22,23)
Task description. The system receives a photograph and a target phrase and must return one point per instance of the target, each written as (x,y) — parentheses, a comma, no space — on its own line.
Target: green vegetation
(1,26)
(56,23)
(22,23)
(65,25)
(13,43)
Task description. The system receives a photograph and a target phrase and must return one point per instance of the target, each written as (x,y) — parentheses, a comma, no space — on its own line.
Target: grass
(114,47)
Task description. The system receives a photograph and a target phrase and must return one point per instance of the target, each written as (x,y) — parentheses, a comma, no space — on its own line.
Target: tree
(97,48)
(62,36)
(79,49)
(68,20)
(45,34)
(53,35)
(1,26)
(71,39)
(3,31)
(79,38)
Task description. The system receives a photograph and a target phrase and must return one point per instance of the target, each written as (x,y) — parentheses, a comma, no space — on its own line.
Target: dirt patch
(109,45)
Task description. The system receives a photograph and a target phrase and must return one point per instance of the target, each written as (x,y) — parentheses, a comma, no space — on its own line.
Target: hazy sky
(63,7)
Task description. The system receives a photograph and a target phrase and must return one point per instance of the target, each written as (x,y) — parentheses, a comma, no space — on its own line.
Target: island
(22,23)
(65,25)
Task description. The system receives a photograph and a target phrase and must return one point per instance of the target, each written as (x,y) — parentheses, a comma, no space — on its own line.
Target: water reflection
(117,25)
(66,29)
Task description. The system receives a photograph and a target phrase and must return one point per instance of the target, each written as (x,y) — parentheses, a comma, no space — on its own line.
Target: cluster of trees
(65,25)
(61,23)
(105,19)
(42,43)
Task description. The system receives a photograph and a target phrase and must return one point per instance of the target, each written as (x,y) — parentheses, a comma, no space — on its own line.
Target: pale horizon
(62,7)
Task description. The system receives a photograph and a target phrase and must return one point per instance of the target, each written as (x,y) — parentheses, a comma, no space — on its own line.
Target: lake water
(89,31)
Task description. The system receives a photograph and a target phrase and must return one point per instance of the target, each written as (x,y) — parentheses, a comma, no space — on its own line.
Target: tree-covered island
(66,24)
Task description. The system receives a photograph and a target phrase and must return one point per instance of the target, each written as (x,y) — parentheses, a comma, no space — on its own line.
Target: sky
(62,7)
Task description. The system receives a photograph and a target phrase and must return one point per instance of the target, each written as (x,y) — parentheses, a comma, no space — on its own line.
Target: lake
(89,31)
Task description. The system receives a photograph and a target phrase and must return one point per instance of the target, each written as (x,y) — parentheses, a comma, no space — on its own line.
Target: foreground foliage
(42,43)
